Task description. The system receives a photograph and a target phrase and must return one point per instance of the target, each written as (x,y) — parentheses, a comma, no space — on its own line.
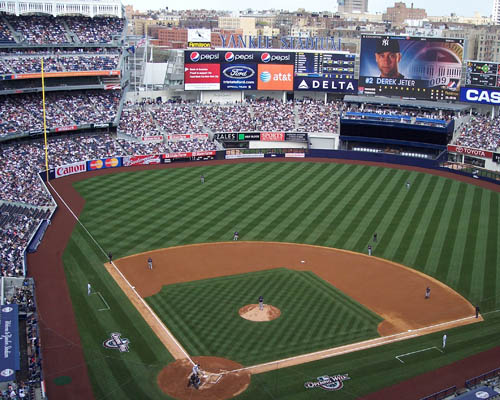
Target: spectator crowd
(23,64)
(49,30)
(24,112)
(482,132)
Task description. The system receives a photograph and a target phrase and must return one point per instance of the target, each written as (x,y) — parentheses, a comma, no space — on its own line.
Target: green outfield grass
(314,316)
(441,227)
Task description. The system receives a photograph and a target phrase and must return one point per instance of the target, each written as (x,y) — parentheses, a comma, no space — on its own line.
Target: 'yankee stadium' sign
(285,42)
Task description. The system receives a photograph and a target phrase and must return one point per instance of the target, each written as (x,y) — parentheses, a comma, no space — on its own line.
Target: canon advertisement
(411,67)
(268,70)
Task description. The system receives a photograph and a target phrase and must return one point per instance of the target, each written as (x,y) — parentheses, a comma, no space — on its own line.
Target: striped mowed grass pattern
(442,227)
(203,315)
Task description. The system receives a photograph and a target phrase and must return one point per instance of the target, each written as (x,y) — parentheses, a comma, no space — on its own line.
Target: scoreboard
(324,65)
(482,74)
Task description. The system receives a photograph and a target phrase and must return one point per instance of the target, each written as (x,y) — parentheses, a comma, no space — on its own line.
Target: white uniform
(89,289)
(444,340)
(196,369)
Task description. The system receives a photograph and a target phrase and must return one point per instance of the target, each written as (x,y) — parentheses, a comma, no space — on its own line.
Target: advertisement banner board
(70,169)
(238,76)
(101,163)
(275,77)
(469,151)
(9,342)
(325,85)
(129,161)
(272,136)
(202,77)
(480,95)
(413,67)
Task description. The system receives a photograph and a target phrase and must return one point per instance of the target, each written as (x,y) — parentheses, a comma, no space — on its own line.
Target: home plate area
(216,382)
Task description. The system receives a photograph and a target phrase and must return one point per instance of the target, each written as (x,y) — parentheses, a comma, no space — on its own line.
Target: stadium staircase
(70,35)
(17,36)
(296,117)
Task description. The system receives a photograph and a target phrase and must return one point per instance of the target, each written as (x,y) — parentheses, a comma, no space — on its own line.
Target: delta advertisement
(411,67)
(254,70)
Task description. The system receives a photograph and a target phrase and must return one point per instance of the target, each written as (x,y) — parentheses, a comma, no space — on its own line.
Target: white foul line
(125,279)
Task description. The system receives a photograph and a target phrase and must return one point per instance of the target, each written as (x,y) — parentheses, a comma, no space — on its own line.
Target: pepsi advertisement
(411,67)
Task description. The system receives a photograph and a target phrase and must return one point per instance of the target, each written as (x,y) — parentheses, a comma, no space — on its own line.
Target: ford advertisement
(238,76)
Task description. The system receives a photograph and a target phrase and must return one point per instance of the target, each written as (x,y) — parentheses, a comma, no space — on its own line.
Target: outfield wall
(380,157)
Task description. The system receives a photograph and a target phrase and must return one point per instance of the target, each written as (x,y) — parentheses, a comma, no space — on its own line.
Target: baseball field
(440,227)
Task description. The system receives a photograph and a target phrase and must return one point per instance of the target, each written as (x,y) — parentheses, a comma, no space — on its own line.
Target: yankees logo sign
(116,342)
(328,382)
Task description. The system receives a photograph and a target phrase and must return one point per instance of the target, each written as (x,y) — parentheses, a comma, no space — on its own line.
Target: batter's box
(211,379)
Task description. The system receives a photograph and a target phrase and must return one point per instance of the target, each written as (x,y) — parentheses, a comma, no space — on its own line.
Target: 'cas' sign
(476,95)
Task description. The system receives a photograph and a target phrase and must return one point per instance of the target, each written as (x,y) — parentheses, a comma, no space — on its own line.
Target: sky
(433,7)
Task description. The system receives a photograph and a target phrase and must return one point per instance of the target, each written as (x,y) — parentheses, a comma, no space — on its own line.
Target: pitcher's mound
(252,312)
(173,379)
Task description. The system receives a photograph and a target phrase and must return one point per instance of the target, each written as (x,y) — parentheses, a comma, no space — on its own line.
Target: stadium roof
(407,103)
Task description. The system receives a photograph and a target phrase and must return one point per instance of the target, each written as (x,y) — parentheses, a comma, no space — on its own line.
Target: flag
(140,42)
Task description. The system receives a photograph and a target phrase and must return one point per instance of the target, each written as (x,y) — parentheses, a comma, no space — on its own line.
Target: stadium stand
(24,112)
(481,132)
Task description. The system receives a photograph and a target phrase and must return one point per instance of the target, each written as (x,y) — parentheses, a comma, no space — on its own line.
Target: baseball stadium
(242,223)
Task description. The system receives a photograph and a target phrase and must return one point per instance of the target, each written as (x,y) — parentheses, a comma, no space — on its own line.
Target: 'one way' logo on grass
(328,382)
(116,342)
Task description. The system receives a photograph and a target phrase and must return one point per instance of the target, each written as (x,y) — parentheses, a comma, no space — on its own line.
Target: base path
(394,292)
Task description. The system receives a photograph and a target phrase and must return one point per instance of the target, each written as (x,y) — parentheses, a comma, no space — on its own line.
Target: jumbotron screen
(482,74)
(269,70)
(411,67)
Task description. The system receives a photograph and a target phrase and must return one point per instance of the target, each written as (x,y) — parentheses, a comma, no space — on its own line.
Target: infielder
(261,303)
(427,292)
(236,235)
(150,263)
(369,250)
(444,340)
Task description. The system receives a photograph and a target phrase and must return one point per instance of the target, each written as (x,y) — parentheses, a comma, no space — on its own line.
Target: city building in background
(350,6)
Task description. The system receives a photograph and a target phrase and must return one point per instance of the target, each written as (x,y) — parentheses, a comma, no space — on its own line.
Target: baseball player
(89,289)
(444,340)
(261,303)
(408,185)
(375,237)
(202,178)
(427,292)
(369,250)
(150,263)
(236,235)
(196,369)
(110,256)
(477,311)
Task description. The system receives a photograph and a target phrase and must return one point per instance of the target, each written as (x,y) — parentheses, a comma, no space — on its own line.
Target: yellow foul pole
(45,125)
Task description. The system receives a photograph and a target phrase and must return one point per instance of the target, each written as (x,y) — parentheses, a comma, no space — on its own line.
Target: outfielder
(444,340)
(89,289)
